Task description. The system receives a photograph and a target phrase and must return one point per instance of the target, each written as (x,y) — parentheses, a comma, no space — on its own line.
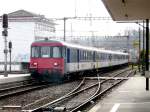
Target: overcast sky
(55,8)
(67,8)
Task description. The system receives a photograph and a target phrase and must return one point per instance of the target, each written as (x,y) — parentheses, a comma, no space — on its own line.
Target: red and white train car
(54,60)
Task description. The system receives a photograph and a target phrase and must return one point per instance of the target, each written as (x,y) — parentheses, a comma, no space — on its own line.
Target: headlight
(34,64)
(56,64)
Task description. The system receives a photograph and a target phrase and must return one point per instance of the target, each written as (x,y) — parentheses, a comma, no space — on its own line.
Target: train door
(78,58)
(94,59)
(64,53)
(110,59)
(68,55)
(68,60)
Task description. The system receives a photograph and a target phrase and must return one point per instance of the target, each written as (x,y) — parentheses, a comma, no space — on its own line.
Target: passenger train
(53,60)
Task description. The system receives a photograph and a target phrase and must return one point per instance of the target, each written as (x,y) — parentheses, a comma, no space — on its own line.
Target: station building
(23,28)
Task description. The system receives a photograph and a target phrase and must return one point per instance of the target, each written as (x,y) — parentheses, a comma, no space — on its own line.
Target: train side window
(106,56)
(73,55)
(94,56)
(90,55)
(57,52)
(78,56)
(86,56)
(110,57)
(82,55)
(97,56)
(116,57)
(102,56)
(87,53)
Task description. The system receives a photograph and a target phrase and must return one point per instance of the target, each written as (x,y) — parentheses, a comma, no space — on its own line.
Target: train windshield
(46,52)
(35,52)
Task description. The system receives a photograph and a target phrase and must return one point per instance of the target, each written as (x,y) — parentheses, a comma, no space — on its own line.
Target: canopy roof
(128,10)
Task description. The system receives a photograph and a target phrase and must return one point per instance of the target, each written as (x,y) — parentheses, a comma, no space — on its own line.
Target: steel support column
(147,53)
(65,29)
(143,63)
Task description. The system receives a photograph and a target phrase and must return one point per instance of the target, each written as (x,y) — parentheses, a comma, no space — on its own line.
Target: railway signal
(10,47)
(5,34)
(5,21)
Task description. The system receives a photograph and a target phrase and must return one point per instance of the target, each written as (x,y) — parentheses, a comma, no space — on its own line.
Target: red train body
(46,67)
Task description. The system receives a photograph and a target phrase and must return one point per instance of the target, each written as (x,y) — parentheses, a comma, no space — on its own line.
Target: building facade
(23,28)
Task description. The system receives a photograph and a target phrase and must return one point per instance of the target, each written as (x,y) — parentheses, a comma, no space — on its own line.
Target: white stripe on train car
(73,67)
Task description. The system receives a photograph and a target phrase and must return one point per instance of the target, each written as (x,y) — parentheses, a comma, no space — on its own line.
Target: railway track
(31,106)
(17,83)
(102,92)
(15,72)
(57,103)
(19,89)
(22,99)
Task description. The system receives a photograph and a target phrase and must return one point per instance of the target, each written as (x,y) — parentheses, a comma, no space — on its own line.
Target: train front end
(47,62)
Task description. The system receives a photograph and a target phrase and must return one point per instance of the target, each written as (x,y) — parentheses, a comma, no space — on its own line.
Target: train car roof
(72,45)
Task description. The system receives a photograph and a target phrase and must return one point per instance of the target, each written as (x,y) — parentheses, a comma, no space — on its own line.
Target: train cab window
(57,52)
(45,52)
(35,52)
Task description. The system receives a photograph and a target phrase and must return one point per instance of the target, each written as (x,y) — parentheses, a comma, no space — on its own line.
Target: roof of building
(23,15)
(128,10)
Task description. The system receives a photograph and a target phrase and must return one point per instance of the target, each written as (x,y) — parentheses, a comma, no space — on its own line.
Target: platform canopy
(128,10)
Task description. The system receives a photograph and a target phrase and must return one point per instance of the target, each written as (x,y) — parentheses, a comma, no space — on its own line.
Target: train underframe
(57,76)
(47,75)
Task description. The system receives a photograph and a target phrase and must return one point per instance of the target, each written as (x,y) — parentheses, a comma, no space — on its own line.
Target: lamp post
(65,28)
(143,63)
(139,49)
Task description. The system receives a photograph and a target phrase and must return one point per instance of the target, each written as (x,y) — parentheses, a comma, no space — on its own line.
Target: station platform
(131,96)
(13,78)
